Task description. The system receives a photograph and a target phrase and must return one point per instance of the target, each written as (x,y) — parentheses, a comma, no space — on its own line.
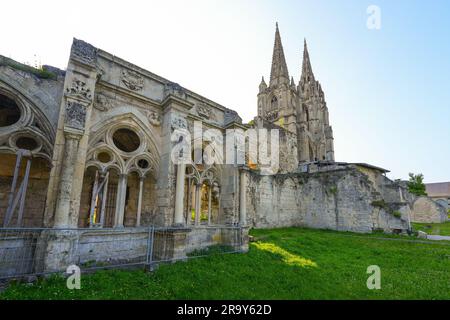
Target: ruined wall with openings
(344,200)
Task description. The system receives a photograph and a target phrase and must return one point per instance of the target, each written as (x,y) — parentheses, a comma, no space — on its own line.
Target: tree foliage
(416,185)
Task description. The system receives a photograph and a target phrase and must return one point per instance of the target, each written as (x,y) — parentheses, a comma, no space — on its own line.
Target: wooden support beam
(13,197)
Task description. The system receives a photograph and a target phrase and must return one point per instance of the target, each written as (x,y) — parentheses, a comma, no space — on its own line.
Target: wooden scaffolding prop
(17,197)
(99,194)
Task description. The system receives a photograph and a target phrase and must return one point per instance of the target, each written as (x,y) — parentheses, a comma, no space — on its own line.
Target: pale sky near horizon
(388,90)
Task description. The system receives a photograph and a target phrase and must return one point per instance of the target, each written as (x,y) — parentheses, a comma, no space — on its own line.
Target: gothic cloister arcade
(202,196)
(119,185)
(26,143)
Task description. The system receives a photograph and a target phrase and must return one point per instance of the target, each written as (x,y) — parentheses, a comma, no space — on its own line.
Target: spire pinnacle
(262,85)
(279,73)
(307,73)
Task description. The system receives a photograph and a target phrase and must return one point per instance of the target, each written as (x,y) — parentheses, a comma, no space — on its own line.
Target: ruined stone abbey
(89,148)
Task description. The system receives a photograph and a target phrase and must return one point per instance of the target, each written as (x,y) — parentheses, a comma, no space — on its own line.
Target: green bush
(379,203)
(397,214)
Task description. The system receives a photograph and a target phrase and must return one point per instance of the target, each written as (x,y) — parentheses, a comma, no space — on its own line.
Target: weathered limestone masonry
(339,197)
(427,210)
(90,153)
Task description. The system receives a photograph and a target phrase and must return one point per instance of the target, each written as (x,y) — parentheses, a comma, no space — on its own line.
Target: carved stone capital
(72,135)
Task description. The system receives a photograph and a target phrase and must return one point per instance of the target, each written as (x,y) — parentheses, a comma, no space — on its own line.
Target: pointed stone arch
(32,124)
(26,150)
(128,174)
(101,138)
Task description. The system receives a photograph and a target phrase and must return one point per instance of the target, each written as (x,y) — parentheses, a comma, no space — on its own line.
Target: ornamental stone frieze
(205,111)
(132,80)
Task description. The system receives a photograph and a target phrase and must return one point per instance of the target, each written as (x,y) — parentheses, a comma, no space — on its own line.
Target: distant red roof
(440,189)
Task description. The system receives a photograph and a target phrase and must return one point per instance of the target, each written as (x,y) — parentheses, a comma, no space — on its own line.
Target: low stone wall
(36,251)
(344,199)
(113,246)
(17,254)
(429,211)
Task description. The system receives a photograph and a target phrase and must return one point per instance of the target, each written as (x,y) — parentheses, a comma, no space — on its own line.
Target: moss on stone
(41,73)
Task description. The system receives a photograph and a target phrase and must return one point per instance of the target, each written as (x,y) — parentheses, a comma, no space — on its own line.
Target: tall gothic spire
(279,73)
(307,73)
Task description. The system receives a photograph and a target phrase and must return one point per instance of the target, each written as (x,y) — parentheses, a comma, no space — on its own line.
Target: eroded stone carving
(154,118)
(84,52)
(231,116)
(204,111)
(75,115)
(102,102)
(175,89)
(178,122)
(79,90)
(132,80)
(272,115)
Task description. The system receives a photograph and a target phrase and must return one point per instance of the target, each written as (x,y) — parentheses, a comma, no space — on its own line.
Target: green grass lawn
(289,263)
(442,229)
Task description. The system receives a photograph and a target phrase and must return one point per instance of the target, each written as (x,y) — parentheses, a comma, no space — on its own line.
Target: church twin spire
(279,73)
(300,110)
(307,73)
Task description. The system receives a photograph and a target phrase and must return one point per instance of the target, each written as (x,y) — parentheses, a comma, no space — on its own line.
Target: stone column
(139,207)
(120,201)
(197,204)
(65,186)
(179,194)
(209,204)
(104,198)
(242,199)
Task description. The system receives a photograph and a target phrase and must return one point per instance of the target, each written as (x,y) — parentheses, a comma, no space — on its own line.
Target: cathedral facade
(300,109)
(91,147)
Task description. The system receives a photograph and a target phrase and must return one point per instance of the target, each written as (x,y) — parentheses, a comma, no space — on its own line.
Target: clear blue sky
(388,90)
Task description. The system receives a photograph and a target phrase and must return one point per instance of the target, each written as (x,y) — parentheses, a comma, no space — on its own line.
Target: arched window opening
(9,111)
(202,196)
(27,143)
(274,103)
(126,140)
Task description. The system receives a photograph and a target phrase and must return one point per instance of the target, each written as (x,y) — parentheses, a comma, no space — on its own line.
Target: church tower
(301,110)
(278,102)
(315,135)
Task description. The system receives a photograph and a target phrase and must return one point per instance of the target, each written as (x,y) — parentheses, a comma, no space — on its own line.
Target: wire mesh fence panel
(172,244)
(36,251)
(102,248)
(18,252)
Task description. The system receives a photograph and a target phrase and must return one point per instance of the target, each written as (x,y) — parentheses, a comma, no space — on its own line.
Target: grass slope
(289,263)
(442,229)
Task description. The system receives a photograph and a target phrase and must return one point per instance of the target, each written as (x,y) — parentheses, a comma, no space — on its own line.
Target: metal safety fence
(28,252)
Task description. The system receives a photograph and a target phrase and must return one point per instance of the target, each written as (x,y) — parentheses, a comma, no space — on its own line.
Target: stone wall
(429,211)
(342,199)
